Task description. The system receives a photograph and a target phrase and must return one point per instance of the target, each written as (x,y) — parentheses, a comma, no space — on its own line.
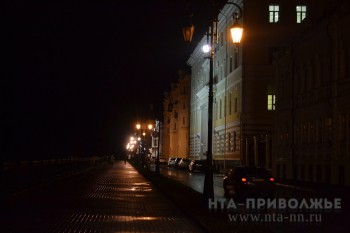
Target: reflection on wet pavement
(195,180)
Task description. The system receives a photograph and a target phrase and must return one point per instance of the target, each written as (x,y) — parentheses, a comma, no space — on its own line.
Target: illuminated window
(271,99)
(274,13)
(301,13)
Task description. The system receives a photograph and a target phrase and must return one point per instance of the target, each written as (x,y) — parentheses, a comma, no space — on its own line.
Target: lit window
(301,13)
(271,99)
(274,13)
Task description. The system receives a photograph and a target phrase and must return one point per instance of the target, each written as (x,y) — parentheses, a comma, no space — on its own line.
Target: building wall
(243,124)
(313,117)
(177,118)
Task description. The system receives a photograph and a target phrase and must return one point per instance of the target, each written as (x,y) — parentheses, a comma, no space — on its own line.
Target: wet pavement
(195,180)
(110,199)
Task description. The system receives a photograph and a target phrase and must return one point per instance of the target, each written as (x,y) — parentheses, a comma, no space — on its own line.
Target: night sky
(78,75)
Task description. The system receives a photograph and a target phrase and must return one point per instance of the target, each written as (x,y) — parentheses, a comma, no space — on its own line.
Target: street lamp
(142,129)
(236,33)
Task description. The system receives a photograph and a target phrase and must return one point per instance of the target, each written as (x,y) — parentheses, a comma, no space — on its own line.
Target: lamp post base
(157,167)
(208,189)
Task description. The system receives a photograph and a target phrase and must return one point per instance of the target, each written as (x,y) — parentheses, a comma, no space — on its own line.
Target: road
(327,221)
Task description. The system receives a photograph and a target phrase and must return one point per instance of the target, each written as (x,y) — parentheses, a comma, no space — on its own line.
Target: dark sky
(81,74)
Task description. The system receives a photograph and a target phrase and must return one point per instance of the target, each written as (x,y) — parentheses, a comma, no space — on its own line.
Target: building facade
(244,82)
(176,118)
(313,102)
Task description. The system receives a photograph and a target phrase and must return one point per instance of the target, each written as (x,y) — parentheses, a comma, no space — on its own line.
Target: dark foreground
(126,198)
(106,199)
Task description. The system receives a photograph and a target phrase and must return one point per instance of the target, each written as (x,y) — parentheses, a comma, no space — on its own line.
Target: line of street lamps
(138,142)
(142,128)
(236,34)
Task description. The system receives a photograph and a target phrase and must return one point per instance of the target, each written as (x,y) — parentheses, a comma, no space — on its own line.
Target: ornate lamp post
(236,33)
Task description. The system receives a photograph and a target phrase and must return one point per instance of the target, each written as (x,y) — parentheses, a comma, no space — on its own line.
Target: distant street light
(236,33)
(142,128)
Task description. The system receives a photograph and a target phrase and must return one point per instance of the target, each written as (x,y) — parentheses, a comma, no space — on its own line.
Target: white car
(171,162)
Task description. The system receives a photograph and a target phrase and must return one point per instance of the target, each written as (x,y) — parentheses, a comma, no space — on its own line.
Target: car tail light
(244,179)
(272,179)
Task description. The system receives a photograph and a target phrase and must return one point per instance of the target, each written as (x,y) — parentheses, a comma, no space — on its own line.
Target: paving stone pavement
(122,200)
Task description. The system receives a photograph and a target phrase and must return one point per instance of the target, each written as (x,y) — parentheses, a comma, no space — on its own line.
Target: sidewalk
(122,200)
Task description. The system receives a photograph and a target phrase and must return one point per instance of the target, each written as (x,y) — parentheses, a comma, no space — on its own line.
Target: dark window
(236,104)
(236,61)
(328,174)
(311,171)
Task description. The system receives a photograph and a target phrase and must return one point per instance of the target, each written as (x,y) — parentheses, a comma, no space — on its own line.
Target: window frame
(301,13)
(274,10)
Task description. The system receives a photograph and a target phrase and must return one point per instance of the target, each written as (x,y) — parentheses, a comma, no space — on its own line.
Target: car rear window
(252,172)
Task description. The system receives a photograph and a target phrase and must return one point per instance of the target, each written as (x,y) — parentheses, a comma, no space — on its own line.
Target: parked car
(171,162)
(177,161)
(184,163)
(249,182)
(197,165)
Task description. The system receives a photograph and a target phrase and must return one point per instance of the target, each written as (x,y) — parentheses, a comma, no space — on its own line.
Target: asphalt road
(319,220)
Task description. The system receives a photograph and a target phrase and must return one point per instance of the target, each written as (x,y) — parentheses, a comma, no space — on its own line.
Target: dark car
(183,164)
(249,182)
(177,161)
(197,165)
